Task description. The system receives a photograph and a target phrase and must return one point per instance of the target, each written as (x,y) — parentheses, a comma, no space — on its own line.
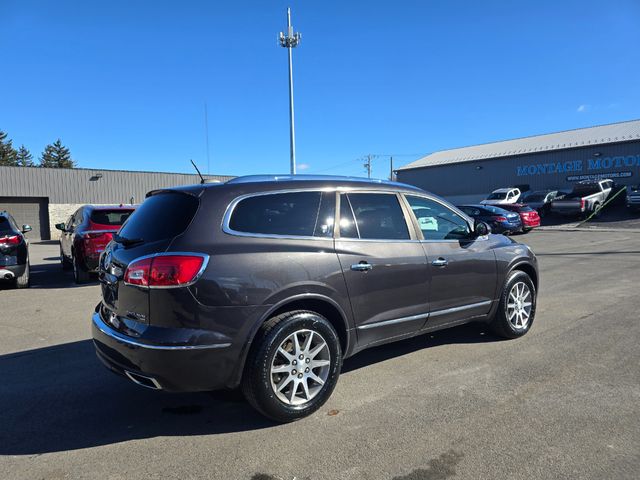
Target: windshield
(497,196)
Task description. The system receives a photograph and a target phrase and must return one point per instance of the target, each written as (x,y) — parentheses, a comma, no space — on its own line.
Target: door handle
(440,262)
(361,267)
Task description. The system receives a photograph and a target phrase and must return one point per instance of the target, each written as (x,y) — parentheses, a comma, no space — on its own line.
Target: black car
(86,234)
(14,252)
(499,219)
(268,283)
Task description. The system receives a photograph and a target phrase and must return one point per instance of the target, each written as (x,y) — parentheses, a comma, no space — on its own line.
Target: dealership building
(42,197)
(554,161)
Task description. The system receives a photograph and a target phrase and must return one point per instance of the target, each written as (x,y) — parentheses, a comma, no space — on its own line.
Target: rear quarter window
(161,216)
(299,214)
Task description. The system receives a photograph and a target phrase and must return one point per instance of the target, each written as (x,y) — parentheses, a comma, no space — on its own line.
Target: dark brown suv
(268,283)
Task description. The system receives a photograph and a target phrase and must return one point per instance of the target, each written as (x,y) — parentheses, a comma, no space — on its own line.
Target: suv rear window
(302,214)
(160,217)
(110,217)
(5,225)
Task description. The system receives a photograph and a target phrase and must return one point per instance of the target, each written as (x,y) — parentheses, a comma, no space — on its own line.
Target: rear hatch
(102,225)
(9,242)
(162,217)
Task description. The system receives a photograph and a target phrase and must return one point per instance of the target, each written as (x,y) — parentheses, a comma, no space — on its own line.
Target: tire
(23,281)
(526,230)
(79,274)
(260,384)
(66,264)
(501,323)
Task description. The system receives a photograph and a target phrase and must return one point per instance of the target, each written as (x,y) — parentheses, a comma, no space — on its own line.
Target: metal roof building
(550,161)
(42,197)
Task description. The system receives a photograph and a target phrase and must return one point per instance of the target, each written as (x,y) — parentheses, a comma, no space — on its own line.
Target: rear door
(384,266)
(462,268)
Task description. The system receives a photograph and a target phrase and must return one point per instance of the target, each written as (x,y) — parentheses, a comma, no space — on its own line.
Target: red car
(85,235)
(530,218)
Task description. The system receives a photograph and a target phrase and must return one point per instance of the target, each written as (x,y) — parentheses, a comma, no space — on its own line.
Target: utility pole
(391,168)
(289,41)
(367,165)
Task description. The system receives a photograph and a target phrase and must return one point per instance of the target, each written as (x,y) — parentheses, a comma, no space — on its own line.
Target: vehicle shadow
(51,275)
(61,398)
(470,333)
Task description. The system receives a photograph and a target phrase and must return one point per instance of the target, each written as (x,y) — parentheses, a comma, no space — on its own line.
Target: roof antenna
(197,170)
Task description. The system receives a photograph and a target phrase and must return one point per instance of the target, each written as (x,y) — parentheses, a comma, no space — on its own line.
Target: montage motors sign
(591,168)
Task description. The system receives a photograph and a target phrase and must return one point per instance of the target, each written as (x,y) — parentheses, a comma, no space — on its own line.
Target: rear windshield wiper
(127,241)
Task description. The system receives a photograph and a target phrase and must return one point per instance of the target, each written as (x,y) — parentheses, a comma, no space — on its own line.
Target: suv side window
(436,221)
(378,216)
(303,214)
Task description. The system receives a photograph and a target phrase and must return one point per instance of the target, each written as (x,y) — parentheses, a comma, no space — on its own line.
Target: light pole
(289,41)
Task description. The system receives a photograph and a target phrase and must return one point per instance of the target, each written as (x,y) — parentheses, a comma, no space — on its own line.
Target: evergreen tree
(7,152)
(56,156)
(24,157)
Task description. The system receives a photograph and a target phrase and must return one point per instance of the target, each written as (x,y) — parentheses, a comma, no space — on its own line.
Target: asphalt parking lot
(561,402)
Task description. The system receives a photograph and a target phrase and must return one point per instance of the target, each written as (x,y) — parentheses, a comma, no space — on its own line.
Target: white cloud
(303,166)
(583,108)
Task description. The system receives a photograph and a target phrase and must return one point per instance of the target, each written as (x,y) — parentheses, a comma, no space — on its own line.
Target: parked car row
(85,236)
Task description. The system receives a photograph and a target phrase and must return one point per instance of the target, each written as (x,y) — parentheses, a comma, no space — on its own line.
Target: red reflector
(164,271)
(10,240)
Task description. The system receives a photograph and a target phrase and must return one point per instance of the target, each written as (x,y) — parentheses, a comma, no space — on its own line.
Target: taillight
(500,219)
(164,270)
(582,203)
(94,242)
(10,240)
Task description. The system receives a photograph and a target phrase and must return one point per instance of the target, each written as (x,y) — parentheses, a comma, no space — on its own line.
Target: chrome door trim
(460,308)
(384,323)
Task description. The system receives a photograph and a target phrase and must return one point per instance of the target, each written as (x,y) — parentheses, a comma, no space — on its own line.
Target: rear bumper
(10,272)
(171,367)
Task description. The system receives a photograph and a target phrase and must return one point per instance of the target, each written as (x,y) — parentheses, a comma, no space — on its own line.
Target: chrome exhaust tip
(7,274)
(143,381)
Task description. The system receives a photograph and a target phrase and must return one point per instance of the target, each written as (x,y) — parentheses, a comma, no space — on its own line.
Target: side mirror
(480,229)
(60,226)
(26,228)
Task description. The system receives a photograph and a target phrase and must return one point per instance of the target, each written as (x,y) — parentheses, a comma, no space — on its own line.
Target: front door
(385,269)
(463,268)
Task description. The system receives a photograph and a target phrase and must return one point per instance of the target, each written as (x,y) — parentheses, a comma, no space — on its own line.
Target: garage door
(32,211)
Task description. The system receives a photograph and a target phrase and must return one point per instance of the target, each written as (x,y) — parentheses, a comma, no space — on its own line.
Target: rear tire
(517,308)
(66,264)
(79,274)
(280,375)
(23,281)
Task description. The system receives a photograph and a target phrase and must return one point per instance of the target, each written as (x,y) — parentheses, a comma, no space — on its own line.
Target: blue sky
(123,83)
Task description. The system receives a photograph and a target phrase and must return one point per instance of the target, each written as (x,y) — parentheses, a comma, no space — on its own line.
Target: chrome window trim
(205,262)
(100,325)
(226,219)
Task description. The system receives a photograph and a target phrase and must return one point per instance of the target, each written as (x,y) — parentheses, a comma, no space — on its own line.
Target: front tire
(293,366)
(517,307)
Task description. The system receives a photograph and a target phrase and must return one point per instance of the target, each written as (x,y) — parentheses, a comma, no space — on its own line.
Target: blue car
(499,219)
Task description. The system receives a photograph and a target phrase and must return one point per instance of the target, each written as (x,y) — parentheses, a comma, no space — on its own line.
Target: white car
(502,196)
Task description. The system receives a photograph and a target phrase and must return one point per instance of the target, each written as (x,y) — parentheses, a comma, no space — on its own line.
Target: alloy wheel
(519,306)
(300,367)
